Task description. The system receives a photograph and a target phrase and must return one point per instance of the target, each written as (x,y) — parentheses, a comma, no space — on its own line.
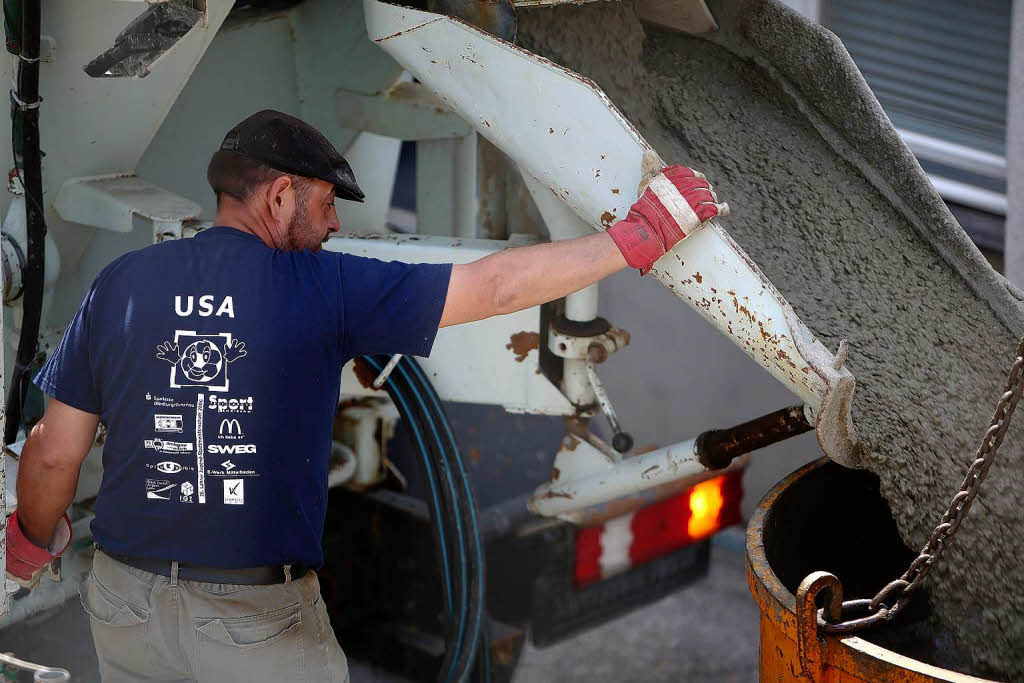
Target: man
(215,364)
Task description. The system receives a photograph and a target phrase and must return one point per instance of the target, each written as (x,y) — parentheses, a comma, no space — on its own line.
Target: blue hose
(445,568)
(430,409)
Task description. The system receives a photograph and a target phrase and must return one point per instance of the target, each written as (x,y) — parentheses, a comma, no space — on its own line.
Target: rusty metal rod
(716,448)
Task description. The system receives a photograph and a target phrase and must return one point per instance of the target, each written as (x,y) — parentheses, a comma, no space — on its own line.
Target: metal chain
(898,593)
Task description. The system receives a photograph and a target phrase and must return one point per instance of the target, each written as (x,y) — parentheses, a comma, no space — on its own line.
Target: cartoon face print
(201,361)
(204,360)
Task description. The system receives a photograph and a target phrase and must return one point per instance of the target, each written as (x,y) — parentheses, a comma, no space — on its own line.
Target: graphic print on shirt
(200,456)
(234,492)
(200,360)
(159,489)
(168,447)
(167,423)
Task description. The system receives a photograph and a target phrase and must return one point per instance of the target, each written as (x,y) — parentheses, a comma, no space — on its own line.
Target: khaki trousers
(148,627)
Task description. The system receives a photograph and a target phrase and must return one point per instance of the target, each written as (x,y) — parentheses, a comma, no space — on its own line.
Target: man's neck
(238,215)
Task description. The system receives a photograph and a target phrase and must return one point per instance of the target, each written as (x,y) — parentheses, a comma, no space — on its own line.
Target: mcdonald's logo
(230,427)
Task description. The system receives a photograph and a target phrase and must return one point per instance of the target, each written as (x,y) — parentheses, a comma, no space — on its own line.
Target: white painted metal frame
(567,137)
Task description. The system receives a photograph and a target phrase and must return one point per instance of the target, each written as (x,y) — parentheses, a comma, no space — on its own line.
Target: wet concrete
(840,218)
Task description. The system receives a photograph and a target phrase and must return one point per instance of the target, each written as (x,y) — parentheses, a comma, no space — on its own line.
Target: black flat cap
(293,146)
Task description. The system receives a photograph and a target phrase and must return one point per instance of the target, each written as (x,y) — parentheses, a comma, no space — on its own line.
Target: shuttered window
(938,67)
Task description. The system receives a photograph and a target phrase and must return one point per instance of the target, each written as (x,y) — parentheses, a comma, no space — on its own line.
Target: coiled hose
(452,506)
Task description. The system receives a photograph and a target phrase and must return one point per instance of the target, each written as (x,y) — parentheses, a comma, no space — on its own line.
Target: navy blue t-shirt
(215,364)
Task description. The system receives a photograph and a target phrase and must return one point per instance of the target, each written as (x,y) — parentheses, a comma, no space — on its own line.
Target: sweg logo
(230,426)
(233,449)
(168,467)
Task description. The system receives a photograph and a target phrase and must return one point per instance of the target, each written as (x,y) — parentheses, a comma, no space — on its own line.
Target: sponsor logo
(235,471)
(167,423)
(186,492)
(234,492)
(231,449)
(159,489)
(168,467)
(171,403)
(228,465)
(230,405)
(230,428)
(184,468)
(161,446)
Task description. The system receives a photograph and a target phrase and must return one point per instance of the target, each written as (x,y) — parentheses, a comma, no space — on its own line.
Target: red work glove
(25,560)
(673,205)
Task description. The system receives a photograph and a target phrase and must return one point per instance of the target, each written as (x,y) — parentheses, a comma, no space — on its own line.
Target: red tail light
(656,530)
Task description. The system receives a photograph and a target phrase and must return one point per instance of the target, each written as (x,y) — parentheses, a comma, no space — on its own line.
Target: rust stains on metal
(364,373)
(766,335)
(557,494)
(555,473)
(607,218)
(698,278)
(783,356)
(716,448)
(521,343)
(615,190)
(570,442)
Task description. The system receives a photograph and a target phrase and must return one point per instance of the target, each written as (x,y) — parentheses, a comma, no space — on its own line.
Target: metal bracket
(407,111)
(111,201)
(596,347)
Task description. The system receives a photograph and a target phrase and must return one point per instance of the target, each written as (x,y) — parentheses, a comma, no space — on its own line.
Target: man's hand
(25,560)
(674,204)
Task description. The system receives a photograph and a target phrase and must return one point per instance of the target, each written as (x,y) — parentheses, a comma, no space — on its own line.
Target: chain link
(891,600)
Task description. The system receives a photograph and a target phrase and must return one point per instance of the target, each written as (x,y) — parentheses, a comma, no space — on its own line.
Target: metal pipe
(42,673)
(581,306)
(716,448)
(969,195)
(621,441)
(629,476)
(953,155)
(466,200)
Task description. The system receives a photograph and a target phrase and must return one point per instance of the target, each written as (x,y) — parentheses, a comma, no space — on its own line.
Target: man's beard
(298,225)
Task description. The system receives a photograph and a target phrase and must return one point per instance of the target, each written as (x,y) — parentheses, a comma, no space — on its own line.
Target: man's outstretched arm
(676,202)
(519,278)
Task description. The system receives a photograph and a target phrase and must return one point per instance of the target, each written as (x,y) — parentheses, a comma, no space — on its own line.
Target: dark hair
(239,176)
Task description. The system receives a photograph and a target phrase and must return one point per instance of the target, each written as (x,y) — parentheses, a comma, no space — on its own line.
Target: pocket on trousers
(118,627)
(261,647)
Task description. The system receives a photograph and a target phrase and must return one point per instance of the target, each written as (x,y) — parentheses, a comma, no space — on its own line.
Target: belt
(269,574)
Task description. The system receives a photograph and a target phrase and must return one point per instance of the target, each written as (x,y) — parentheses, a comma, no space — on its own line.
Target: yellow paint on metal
(831,659)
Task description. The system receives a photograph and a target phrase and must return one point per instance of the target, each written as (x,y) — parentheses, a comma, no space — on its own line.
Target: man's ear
(281,197)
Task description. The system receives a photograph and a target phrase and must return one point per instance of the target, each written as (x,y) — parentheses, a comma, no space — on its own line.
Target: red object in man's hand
(25,560)
(674,204)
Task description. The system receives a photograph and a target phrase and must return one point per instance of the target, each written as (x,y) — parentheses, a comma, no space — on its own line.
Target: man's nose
(333,224)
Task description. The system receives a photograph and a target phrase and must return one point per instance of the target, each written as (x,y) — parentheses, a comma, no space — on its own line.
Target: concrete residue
(861,249)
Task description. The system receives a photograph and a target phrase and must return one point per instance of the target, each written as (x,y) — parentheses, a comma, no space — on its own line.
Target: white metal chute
(565,135)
